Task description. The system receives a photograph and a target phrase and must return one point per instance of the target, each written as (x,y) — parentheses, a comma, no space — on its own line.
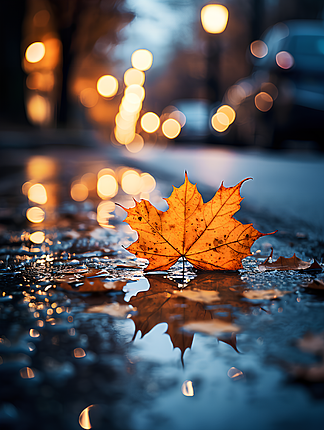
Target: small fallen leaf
(264,294)
(291,263)
(214,327)
(316,284)
(205,234)
(115,310)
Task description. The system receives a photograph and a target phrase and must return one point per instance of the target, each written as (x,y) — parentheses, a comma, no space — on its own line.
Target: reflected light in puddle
(37,237)
(214,18)
(27,373)
(142,59)
(136,145)
(171,128)
(104,210)
(37,193)
(35,215)
(107,86)
(148,183)
(35,52)
(41,167)
(187,389)
(131,182)
(259,49)
(84,419)
(107,186)
(134,77)
(235,373)
(34,333)
(263,101)
(150,122)
(79,353)
(284,60)
(89,97)
(79,192)
(220,122)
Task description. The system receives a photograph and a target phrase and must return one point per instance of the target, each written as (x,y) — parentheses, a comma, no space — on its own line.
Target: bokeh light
(104,213)
(284,60)
(107,186)
(89,97)
(38,110)
(259,49)
(37,193)
(171,128)
(150,122)
(131,182)
(107,86)
(79,191)
(41,18)
(134,77)
(220,122)
(179,116)
(187,389)
(35,52)
(40,81)
(37,237)
(84,419)
(142,59)
(263,101)
(136,145)
(136,89)
(214,18)
(40,167)
(148,183)
(35,215)
(229,112)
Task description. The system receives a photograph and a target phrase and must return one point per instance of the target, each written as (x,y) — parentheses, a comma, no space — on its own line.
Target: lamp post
(214,18)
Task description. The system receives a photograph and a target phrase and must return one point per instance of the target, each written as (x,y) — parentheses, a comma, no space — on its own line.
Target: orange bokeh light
(150,122)
(35,52)
(107,86)
(171,128)
(263,101)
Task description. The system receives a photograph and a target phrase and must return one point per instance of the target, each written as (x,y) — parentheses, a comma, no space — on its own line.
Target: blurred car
(283,99)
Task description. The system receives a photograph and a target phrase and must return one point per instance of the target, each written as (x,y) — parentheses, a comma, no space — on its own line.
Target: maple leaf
(291,263)
(205,234)
(165,302)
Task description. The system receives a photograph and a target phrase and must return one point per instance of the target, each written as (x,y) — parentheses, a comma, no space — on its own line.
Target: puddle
(88,341)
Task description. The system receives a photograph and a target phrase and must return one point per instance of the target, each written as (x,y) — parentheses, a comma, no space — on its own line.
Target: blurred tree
(81,24)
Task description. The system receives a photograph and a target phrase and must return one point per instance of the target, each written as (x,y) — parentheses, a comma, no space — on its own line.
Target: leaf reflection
(211,296)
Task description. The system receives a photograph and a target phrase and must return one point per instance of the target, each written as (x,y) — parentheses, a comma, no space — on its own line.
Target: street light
(214,18)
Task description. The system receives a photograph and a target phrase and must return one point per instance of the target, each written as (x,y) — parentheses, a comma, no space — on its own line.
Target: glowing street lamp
(214,18)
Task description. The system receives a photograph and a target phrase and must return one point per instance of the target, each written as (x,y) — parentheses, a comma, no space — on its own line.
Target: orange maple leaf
(205,234)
